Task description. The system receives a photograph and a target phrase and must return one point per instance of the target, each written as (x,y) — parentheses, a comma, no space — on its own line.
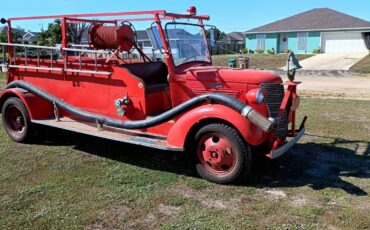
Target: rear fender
(182,127)
(37,107)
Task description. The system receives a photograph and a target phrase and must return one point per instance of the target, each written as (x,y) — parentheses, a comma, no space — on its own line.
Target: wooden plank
(120,135)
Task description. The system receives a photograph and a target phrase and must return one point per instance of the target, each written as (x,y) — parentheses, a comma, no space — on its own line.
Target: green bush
(271,51)
(316,51)
(244,51)
(259,51)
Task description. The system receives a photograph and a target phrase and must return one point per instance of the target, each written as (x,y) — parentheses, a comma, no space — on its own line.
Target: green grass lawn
(363,66)
(258,61)
(2,80)
(71,181)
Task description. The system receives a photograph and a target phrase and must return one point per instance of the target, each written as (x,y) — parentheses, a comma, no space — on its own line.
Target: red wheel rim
(14,121)
(216,153)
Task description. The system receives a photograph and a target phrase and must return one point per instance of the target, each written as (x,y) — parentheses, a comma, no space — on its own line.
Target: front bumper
(283,149)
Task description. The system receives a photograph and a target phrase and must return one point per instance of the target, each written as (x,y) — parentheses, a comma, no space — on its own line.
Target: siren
(192,10)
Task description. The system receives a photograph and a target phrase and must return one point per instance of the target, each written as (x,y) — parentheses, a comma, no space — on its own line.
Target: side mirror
(211,34)
(3,21)
(292,64)
(212,37)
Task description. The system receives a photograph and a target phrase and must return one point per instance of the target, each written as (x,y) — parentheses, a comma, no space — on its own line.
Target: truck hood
(222,74)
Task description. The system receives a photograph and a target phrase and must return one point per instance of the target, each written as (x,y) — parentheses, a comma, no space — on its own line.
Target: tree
(3,37)
(51,36)
(17,37)
(76,32)
(218,34)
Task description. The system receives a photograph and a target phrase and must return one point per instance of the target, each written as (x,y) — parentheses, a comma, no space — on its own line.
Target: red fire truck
(181,102)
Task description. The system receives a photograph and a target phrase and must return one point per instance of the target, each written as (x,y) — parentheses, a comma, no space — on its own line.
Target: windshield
(187,43)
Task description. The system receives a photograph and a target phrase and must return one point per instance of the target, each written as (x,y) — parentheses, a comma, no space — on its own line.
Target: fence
(226,48)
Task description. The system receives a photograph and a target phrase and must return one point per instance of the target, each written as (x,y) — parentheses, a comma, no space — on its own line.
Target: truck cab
(175,100)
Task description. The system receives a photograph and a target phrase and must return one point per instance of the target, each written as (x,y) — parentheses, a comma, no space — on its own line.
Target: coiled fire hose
(252,115)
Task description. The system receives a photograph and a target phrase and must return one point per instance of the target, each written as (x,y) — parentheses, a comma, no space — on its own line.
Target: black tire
(16,120)
(241,154)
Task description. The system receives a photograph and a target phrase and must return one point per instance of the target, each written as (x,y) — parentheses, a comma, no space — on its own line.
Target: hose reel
(112,37)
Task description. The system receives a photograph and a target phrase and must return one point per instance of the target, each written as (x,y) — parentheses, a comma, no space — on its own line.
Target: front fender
(37,107)
(179,131)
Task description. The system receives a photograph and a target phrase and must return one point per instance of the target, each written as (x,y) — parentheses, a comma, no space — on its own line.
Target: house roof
(314,20)
(175,34)
(234,36)
(4,29)
(142,35)
(30,37)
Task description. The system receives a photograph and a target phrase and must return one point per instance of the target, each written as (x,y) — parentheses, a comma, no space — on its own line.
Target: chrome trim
(87,51)
(260,97)
(283,149)
(35,67)
(246,110)
(30,46)
(87,72)
(59,69)
(273,120)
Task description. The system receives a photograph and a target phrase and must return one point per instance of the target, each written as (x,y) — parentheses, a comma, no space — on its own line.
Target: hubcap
(216,153)
(15,120)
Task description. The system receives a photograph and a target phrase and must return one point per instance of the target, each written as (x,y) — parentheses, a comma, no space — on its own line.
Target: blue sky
(236,15)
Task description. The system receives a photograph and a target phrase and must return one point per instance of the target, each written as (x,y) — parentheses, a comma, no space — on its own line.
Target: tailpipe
(252,115)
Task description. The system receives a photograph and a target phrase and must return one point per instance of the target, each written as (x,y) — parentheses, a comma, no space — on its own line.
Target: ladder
(13,49)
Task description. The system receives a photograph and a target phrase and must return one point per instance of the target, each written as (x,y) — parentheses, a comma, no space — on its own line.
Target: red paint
(216,153)
(112,37)
(10,38)
(64,33)
(97,93)
(183,125)
(192,10)
(253,96)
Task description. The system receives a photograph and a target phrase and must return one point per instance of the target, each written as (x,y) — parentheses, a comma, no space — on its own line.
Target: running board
(109,133)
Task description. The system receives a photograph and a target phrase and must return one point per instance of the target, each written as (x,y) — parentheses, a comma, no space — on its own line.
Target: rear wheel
(222,156)
(16,120)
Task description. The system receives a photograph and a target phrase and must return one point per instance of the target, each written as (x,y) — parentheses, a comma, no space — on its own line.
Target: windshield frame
(207,51)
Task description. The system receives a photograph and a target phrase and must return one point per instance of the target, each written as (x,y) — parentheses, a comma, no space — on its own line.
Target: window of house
(302,41)
(261,38)
(144,44)
(147,44)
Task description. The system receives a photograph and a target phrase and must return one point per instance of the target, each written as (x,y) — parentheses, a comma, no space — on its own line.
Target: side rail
(10,53)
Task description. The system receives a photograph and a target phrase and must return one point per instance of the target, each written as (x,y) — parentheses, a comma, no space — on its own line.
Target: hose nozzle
(266,124)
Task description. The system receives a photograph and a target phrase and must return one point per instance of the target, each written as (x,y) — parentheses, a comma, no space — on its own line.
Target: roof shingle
(235,36)
(314,20)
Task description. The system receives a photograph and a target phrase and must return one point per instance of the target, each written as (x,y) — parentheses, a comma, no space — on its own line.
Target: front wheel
(16,120)
(222,156)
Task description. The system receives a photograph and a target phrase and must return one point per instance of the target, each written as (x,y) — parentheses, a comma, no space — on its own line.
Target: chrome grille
(274,98)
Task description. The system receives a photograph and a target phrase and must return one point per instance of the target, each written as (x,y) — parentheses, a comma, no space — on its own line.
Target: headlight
(255,96)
